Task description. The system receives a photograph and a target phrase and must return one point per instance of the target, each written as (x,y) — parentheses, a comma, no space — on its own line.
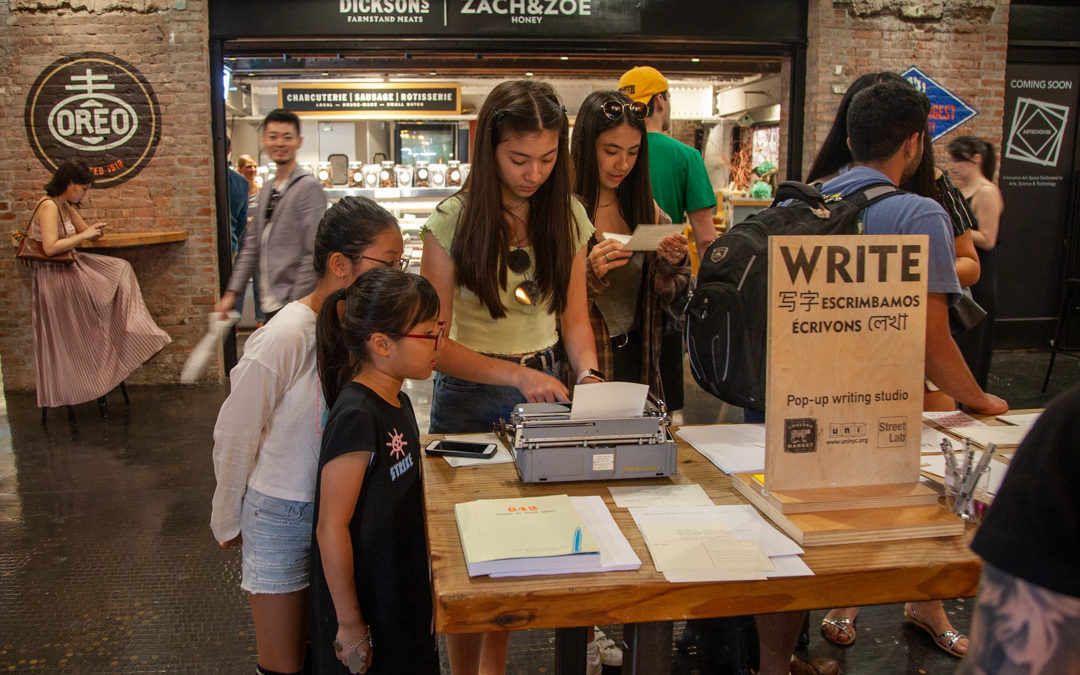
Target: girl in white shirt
(267,436)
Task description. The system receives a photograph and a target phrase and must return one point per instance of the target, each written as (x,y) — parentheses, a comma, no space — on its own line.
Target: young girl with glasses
(371,601)
(266,440)
(507,256)
(633,297)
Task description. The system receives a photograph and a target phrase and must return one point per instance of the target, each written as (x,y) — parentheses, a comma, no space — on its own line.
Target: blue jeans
(260,315)
(463,407)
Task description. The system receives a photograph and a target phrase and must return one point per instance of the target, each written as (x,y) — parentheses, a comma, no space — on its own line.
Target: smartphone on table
(473,449)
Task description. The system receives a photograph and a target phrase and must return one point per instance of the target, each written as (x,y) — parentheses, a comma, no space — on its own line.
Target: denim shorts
(464,407)
(277,543)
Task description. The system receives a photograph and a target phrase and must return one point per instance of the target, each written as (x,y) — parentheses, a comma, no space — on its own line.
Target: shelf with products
(411,206)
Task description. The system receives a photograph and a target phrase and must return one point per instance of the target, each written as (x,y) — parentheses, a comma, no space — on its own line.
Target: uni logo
(97,108)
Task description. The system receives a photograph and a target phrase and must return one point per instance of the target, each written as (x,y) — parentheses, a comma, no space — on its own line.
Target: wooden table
(132,239)
(846,575)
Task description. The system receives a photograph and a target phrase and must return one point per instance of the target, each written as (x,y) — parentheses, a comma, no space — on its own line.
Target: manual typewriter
(549,447)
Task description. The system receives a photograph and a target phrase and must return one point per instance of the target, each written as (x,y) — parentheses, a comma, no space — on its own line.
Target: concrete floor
(107,564)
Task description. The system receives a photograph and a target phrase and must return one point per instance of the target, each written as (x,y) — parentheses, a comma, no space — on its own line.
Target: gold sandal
(842,626)
(945,640)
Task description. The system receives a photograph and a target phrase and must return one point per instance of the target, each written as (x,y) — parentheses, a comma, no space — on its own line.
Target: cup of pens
(965,472)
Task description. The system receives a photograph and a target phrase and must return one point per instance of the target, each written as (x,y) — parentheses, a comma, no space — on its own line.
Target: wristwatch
(589,372)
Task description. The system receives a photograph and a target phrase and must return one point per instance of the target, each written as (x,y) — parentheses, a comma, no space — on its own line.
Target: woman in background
(971,165)
(91,328)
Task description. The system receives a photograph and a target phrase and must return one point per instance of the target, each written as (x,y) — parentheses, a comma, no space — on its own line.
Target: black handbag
(965,314)
(30,250)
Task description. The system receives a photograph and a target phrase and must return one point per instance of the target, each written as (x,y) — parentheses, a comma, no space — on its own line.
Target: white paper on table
(932,437)
(659,495)
(1020,419)
(953,419)
(789,566)
(742,519)
(608,400)
(935,464)
(501,456)
(645,237)
(1002,435)
(733,448)
(727,554)
(616,553)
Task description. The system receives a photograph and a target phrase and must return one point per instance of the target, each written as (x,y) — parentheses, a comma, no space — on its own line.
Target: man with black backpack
(885,126)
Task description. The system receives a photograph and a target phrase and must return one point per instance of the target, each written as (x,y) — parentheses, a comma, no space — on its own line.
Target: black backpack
(727,313)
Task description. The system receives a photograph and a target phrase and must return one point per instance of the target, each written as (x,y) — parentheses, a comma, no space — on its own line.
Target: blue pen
(577,541)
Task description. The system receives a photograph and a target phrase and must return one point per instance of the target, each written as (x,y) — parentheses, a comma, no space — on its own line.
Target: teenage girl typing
(507,257)
(371,601)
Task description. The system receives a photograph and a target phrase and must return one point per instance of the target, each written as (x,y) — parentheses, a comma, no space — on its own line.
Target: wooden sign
(847,324)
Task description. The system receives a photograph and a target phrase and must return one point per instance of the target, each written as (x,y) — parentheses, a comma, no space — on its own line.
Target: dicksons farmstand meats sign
(97,108)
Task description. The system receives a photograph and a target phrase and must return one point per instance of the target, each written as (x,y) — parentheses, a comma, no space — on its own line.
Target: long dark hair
(634,194)
(349,227)
(71,171)
(481,245)
(835,154)
(964,149)
(382,300)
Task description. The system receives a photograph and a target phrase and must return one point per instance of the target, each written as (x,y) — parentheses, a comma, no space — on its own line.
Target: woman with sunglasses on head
(266,440)
(507,257)
(371,600)
(632,295)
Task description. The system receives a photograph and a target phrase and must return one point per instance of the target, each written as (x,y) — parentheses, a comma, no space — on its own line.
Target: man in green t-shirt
(677,172)
(681,187)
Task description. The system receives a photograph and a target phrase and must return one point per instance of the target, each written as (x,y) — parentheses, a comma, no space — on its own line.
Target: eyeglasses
(399,264)
(615,109)
(437,337)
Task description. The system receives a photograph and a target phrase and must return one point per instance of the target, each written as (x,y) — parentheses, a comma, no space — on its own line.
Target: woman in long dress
(91,328)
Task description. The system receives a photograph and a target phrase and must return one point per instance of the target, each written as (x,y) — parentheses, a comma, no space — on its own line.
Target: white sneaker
(608,653)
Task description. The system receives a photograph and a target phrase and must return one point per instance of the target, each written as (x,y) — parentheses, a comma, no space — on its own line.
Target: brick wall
(961,44)
(174,191)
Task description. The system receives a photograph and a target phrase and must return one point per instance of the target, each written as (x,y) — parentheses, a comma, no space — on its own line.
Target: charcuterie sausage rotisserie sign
(96,108)
(847,324)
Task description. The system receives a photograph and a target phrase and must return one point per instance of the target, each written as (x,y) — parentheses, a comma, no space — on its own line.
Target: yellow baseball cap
(642,83)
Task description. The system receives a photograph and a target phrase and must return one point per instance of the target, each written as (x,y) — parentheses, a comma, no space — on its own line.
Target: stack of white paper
(733,448)
(659,495)
(717,543)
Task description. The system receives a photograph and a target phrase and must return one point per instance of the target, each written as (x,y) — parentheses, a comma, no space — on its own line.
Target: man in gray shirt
(278,242)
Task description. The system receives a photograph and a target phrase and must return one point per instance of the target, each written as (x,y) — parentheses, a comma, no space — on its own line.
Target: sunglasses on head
(613,110)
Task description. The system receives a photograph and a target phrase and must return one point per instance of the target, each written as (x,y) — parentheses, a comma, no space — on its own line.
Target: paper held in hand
(645,237)
(523,533)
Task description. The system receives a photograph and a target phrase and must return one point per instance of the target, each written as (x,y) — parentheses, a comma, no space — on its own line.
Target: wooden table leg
(648,648)
(570,650)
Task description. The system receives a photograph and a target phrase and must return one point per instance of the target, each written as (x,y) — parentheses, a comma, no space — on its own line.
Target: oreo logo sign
(97,108)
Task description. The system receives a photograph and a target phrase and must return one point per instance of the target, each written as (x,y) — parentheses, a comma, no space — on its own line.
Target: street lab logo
(96,108)
(1037,130)
(718,254)
(800,434)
